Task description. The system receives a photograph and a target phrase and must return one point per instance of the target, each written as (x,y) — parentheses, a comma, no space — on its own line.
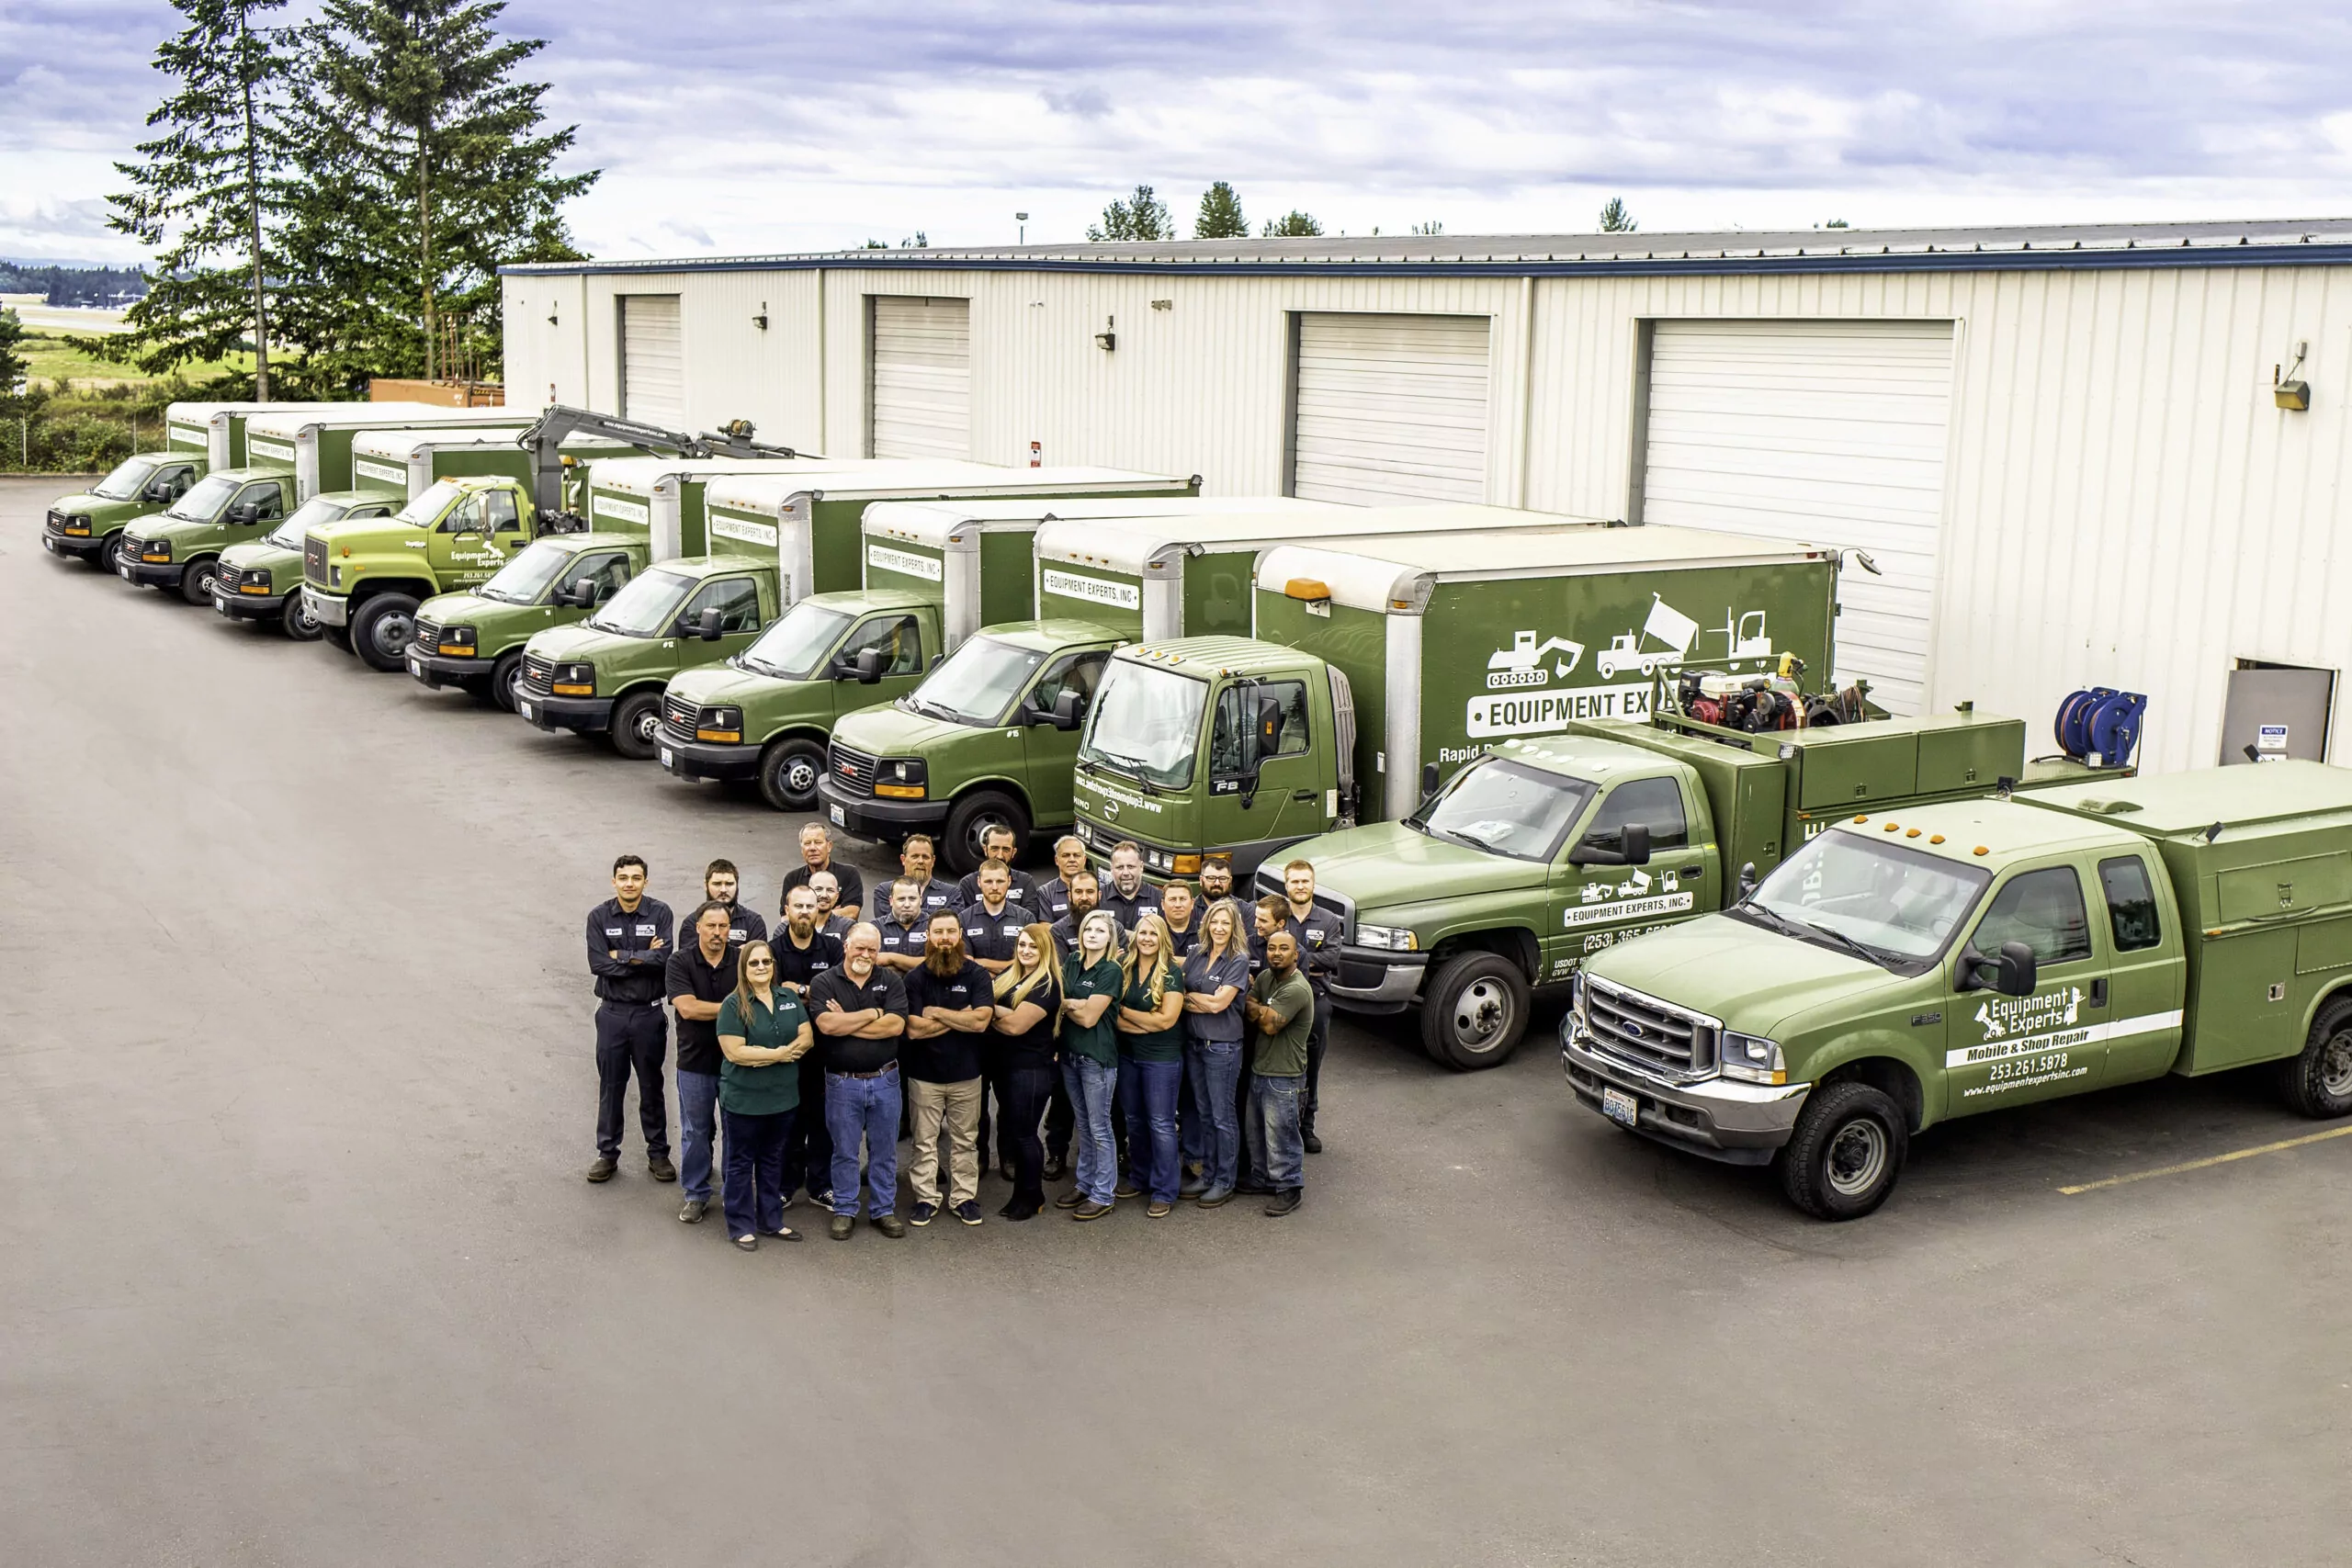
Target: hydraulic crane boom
(544,440)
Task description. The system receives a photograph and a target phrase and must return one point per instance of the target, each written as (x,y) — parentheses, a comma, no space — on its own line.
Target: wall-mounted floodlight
(761,320)
(1108,338)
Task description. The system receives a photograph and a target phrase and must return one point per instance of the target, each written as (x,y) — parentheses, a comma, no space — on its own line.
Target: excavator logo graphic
(1522,664)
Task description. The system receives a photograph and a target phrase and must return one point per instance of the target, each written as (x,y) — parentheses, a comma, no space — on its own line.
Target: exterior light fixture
(2285,389)
(761,320)
(1108,338)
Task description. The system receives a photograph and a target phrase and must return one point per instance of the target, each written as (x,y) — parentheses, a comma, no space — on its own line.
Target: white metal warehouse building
(2063,446)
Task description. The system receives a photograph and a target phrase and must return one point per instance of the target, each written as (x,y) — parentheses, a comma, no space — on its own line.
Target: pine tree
(209,193)
(1615,219)
(12,363)
(1220,216)
(429,167)
(1142,216)
(1292,225)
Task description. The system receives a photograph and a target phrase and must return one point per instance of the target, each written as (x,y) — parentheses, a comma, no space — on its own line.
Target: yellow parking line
(2216,1159)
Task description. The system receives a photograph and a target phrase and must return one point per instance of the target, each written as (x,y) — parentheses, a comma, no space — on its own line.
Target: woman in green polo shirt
(1151,1062)
(1091,986)
(762,1034)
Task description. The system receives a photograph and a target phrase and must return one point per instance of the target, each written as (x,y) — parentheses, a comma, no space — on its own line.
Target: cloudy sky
(727,126)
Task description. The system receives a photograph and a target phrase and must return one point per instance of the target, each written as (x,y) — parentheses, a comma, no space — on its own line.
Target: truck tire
(336,637)
(1846,1152)
(789,769)
(1474,1011)
(109,557)
(382,629)
(636,718)
(2319,1081)
(506,676)
(974,816)
(196,580)
(297,622)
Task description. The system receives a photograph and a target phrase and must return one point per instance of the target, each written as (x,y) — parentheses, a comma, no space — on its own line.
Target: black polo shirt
(1185,941)
(852,885)
(690,975)
(744,925)
(1023,891)
(955,1056)
(1145,902)
(990,936)
(801,965)
(847,1052)
(936,896)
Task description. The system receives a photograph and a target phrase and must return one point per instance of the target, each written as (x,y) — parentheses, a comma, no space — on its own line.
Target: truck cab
(473,639)
(363,580)
(179,547)
(88,526)
(767,713)
(261,578)
(986,741)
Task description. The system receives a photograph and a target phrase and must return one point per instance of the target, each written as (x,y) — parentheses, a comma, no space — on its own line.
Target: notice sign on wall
(906,563)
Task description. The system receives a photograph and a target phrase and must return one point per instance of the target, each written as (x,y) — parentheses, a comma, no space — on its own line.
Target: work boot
(1216,1198)
(1285,1201)
(1056,1167)
(661,1168)
(1069,1200)
(890,1226)
(840,1227)
(1313,1143)
(604,1169)
(691,1212)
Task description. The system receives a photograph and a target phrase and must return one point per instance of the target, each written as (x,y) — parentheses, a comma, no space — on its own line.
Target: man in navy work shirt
(719,882)
(628,944)
(816,855)
(1318,934)
(699,976)
(997,848)
(831,919)
(803,953)
(901,932)
(992,920)
(860,1011)
(1085,895)
(1053,897)
(1129,895)
(919,861)
(949,1005)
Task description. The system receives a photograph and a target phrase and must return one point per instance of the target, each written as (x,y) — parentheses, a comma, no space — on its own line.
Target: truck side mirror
(1637,842)
(581,595)
(1746,879)
(706,625)
(246,513)
(1068,708)
(2016,970)
(1430,779)
(869,666)
(1269,728)
(160,491)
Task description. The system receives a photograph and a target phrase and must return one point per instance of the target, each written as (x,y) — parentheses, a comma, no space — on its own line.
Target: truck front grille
(680,713)
(540,672)
(314,561)
(853,770)
(228,576)
(427,636)
(1645,1032)
(56,524)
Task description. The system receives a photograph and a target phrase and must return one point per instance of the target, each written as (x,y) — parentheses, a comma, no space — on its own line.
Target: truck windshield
(1507,809)
(977,683)
(200,504)
(315,512)
(647,607)
(425,508)
(1146,722)
(1899,905)
(523,579)
(124,483)
(795,647)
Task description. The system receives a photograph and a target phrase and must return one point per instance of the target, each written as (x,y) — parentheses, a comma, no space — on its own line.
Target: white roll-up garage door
(653,369)
(1826,433)
(922,399)
(1389,409)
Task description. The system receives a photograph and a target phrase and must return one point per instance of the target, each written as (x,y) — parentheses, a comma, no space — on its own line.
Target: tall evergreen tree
(1142,216)
(1615,219)
(207,194)
(12,362)
(1292,225)
(431,167)
(1220,216)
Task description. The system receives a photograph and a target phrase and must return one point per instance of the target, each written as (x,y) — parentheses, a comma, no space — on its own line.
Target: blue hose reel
(2100,722)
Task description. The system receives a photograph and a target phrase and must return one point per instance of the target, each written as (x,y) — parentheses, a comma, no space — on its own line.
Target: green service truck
(934,572)
(1169,568)
(179,548)
(405,462)
(364,579)
(89,526)
(316,441)
(261,580)
(1907,967)
(773,539)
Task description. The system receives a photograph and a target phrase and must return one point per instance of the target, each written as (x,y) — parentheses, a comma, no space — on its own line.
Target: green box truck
(364,579)
(316,441)
(772,539)
(935,570)
(406,462)
(88,526)
(261,578)
(216,432)
(1907,967)
(179,547)
(473,639)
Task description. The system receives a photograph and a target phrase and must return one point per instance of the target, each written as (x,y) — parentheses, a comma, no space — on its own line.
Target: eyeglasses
(761,963)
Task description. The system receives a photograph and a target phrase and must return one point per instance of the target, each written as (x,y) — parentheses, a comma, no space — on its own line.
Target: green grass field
(50,356)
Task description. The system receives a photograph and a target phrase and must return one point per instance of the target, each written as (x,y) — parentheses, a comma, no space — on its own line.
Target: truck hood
(888,730)
(711,685)
(1388,866)
(1757,981)
(579,643)
(260,553)
(179,529)
(459,609)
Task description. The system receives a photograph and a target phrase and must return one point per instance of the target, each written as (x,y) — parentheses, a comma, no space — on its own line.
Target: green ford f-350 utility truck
(1907,967)
(261,580)
(89,525)
(791,531)
(179,547)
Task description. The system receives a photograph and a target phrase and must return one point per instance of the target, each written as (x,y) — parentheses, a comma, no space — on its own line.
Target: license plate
(124,570)
(665,756)
(415,665)
(841,818)
(1620,1106)
(48,544)
(525,709)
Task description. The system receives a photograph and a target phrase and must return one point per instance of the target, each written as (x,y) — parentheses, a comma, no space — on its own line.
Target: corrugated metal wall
(2124,505)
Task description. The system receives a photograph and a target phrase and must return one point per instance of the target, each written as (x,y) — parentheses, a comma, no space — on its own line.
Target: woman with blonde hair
(762,1034)
(1217,976)
(1019,1057)
(1151,1062)
(1091,981)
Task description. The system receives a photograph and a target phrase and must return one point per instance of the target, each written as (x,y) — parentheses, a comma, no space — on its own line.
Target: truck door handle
(1692,871)
(1302,794)
(2098,992)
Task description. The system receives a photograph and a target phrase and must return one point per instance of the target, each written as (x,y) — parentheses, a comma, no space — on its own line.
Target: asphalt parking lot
(297,1264)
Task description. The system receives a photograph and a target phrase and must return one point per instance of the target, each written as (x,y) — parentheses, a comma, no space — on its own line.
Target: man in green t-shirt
(1281,1015)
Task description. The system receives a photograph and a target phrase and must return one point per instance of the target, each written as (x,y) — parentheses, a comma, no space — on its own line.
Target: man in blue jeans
(860,1010)
(698,978)
(1281,1015)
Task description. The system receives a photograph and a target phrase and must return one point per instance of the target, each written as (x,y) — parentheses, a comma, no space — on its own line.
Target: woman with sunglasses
(1091,986)
(1021,1060)
(762,1034)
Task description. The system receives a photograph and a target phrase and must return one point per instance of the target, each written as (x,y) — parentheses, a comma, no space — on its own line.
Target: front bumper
(250,606)
(80,545)
(687,758)
(1376,980)
(586,715)
(439,670)
(1720,1118)
(871,819)
(329,609)
(150,574)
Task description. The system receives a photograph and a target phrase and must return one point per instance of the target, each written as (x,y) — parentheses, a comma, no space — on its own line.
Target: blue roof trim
(2069,260)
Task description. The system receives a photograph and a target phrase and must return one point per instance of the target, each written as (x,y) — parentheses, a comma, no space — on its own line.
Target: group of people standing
(1156,1042)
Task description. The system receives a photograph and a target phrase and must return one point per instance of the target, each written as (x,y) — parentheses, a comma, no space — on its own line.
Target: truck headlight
(720,724)
(155,550)
(1752,1058)
(457,641)
(334,577)
(1161,861)
(77,523)
(901,778)
(574,681)
(1390,939)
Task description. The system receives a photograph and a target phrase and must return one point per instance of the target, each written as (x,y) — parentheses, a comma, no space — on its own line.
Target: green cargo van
(261,580)
(89,526)
(316,442)
(474,639)
(179,547)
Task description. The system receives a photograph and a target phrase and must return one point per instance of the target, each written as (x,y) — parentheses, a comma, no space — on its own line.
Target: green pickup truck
(179,547)
(88,526)
(261,580)
(1909,966)
(363,579)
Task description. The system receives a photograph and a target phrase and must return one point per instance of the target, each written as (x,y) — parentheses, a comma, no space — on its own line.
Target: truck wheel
(636,718)
(1474,1011)
(1846,1153)
(974,817)
(336,636)
(382,628)
(2319,1082)
(506,678)
(298,622)
(195,582)
(789,769)
(109,557)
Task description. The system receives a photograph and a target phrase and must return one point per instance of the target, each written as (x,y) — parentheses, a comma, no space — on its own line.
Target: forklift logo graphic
(1521,698)
(2001,1017)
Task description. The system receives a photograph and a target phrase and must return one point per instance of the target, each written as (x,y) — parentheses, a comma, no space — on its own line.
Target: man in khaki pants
(949,1005)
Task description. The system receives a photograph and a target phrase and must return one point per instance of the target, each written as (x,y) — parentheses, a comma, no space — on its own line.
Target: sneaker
(1127,1189)
(969,1211)
(661,1167)
(1285,1201)
(922,1212)
(840,1227)
(1215,1197)
(748,1243)
(890,1226)
(1069,1200)
(783,1232)
(604,1169)
(1314,1144)
(1160,1210)
(1089,1210)
(1056,1167)
(825,1199)
(691,1212)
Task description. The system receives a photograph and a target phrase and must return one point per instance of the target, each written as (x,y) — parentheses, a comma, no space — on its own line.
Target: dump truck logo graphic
(1669,628)
(1522,664)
